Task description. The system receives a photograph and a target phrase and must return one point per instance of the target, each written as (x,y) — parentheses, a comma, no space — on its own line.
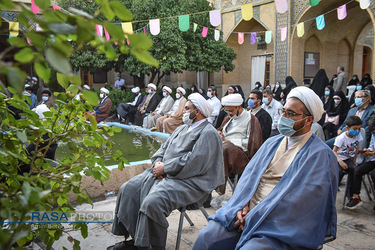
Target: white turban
(151,85)
(311,101)
(167,89)
(86,87)
(27,85)
(104,90)
(183,91)
(232,100)
(136,90)
(201,104)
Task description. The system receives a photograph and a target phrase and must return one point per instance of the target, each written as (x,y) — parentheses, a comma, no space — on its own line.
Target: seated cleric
(184,170)
(286,196)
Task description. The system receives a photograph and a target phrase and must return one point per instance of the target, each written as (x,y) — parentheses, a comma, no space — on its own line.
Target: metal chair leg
(346,192)
(365,186)
(204,212)
(183,212)
(188,219)
(371,185)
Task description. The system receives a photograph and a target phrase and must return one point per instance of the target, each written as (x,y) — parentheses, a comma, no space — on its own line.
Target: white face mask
(186,118)
(178,96)
(209,94)
(164,94)
(337,102)
(101,95)
(150,91)
(277,86)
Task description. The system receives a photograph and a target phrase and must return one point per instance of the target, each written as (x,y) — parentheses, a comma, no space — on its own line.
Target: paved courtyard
(356,228)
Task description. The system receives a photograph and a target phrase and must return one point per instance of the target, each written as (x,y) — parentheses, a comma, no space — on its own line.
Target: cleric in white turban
(200,103)
(233,100)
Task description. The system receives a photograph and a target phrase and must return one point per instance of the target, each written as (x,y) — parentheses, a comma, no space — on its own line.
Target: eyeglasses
(289,113)
(360,97)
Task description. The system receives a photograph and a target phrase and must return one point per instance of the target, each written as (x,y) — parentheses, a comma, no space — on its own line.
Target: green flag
(314,2)
(183,22)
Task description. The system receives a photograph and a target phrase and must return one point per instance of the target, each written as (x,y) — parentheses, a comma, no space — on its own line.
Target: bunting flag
(241,37)
(320,22)
(127,27)
(314,2)
(300,29)
(268,36)
(144,30)
(247,11)
(281,6)
(341,12)
(127,41)
(14,28)
(38,28)
(55,7)
(217,35)
(253,37)
(155,26)
(195,27)
(28,41)
(34,7)
(183,23)
(215,18)
(106,34)
(204,31)
(364,4)
(283,32)
(99,30)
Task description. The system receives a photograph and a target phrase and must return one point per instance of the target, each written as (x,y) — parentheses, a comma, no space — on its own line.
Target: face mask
(285,126)
(353,132)
(118,78)
(326,92)
(178,96)
(209,94)
(251,103)
(359,87)
(186,118)
(149,91)
(45,98)
(101,95)
(192,90)
(164,94)
(358,102)
(354,78)
(265,101)
(277,86)
(337,102)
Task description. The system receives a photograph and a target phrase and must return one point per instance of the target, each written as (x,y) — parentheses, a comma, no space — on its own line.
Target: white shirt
(135,100)
(347,146)
(175,106)
(163,105)
(237,131)
(273,109)
(119,83)
(216,106)
(196,124)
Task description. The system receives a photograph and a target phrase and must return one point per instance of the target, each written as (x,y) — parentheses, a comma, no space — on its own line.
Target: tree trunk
(153,75)
(139,80)
(160,77)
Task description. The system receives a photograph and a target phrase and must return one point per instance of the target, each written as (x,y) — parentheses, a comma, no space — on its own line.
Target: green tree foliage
(45,187)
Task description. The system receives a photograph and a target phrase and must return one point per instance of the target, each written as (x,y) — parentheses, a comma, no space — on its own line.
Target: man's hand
(143,111)
(154,113)
(339,132)
(158,170)
(222,136)
(343,165)
(241,215)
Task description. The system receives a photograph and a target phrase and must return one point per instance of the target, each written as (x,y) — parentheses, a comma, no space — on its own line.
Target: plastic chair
(184,214)
(351,90)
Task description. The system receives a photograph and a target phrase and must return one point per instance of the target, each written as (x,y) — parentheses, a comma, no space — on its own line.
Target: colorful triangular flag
(55,7)
(215,18)
(247,11)
(283,33)
(253,37)
(217,35)
(300,29)
(268,36)
(341,12)
(14,28)
(281,6)
(204,31)
(241,37)
(34,7)
(127,27)
(195,27)
(99,30)
(183,22)
(155,26)
(314,2)
(320,22)
(364,4)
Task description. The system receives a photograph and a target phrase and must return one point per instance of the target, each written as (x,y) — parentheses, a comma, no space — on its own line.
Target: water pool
(135,146)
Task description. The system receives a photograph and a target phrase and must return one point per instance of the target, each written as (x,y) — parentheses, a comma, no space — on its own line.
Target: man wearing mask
(123,109)
(163,107)
(272,107)
(184,170)
(46,99)
(265,120)
(102,110)
(214,102)
(120,83)
(290,182)
(150,104)
(241,135)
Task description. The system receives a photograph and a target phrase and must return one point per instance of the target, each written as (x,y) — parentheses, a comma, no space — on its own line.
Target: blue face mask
(285,126)
(265,101)
(251,103)
(326,92)
(353,132)
(359,87)
(164,94)
(118,78)
(358,102)
(45,98)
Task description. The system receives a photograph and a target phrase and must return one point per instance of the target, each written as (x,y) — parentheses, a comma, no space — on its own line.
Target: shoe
(123,245)
(354,203)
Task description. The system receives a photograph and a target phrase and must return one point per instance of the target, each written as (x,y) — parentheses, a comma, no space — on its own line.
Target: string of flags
(215,20)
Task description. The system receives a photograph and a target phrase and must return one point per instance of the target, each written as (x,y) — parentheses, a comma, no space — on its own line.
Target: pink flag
(106,35)
(28,40)
(204,31)
(253,37)
(144,30)
(99,30)
(283,32)
(155,26)
(34,7)
(127,41)
(281,6)
(215,18)
(55,7)
(341,12)
(241,37)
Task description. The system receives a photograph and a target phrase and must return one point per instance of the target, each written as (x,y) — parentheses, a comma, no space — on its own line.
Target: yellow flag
(14,28)
(247,11)
(300,29)
(127,27)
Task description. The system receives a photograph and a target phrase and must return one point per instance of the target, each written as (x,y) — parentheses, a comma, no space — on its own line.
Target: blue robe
(300,212)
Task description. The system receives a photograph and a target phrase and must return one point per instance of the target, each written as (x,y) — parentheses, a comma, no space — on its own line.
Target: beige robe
(169,124)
